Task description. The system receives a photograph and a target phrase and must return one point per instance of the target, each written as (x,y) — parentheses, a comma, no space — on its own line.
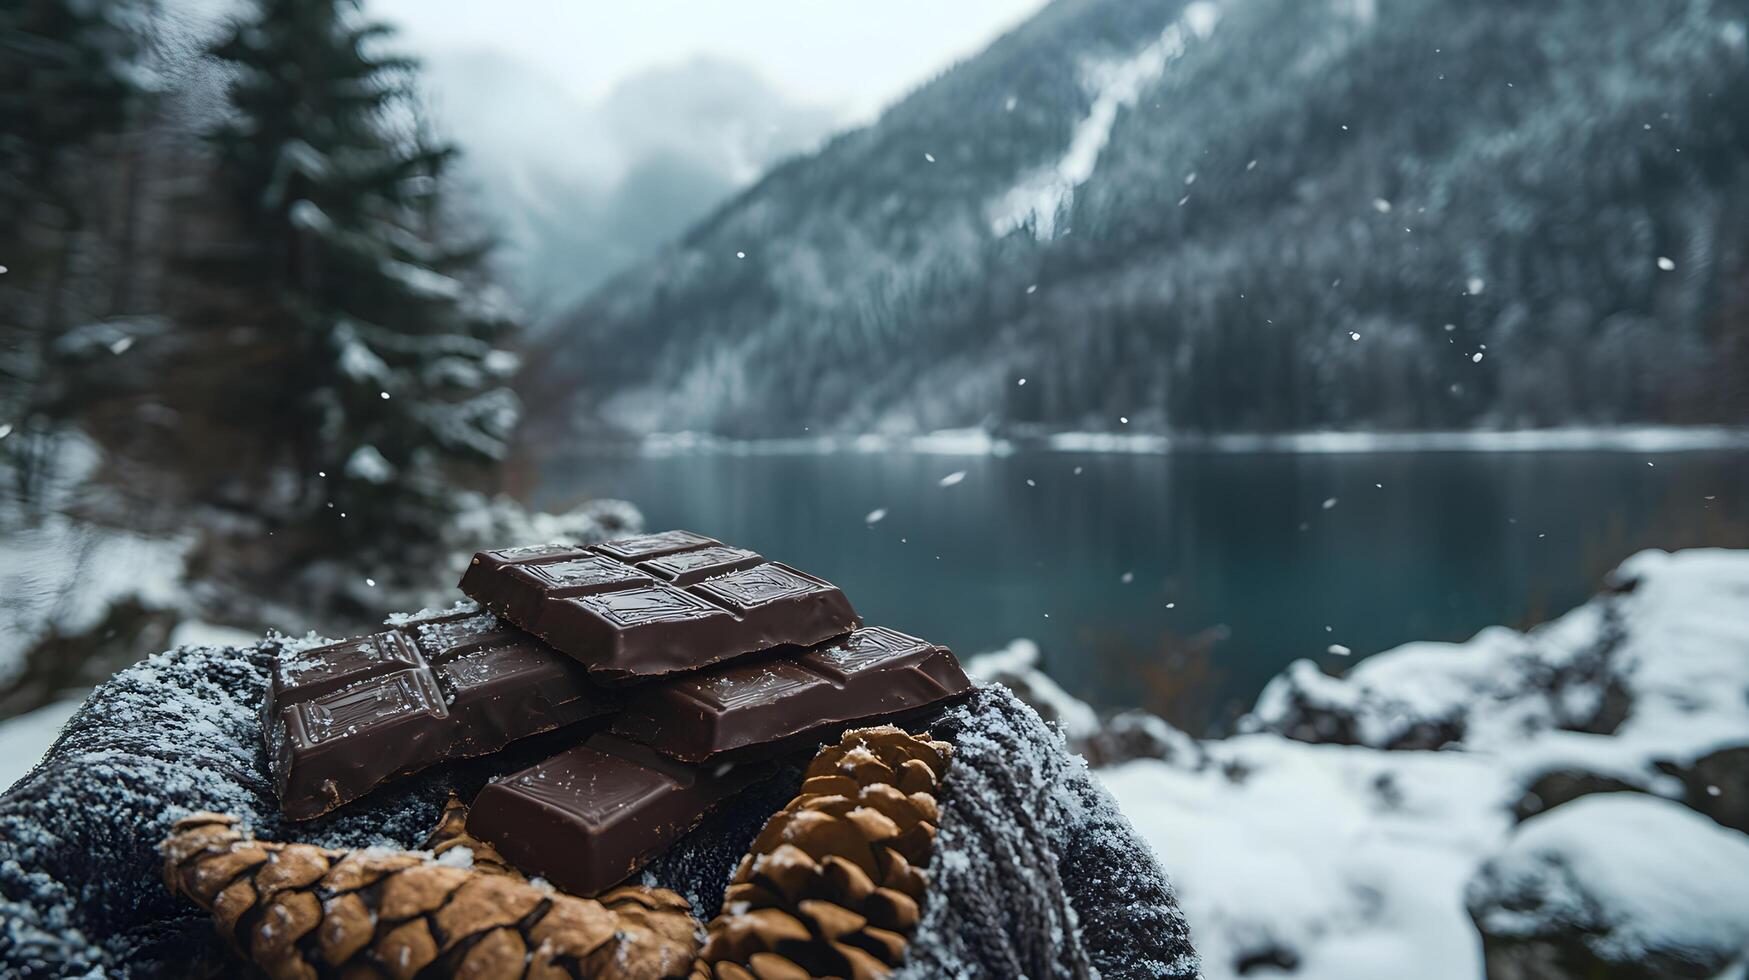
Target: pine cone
(452,832)
(300,911)
(834,884)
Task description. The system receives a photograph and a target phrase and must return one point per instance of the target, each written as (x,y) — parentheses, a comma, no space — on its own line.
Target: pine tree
(71,72)
(375,369)
(68,72)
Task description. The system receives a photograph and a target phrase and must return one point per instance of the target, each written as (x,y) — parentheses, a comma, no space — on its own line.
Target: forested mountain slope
(1236,216)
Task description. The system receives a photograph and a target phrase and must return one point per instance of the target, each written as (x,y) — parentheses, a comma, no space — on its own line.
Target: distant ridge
(1247,216)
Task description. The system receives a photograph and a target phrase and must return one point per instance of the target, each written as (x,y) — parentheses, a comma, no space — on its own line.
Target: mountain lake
(1181,582)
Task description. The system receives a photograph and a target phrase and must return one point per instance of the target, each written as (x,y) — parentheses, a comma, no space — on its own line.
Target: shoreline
(978,442)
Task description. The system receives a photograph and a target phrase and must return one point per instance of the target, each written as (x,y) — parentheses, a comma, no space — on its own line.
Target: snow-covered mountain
(577,191)
(1240,215)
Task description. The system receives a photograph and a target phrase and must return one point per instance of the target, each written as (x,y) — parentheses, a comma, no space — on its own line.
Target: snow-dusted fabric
(1037,873)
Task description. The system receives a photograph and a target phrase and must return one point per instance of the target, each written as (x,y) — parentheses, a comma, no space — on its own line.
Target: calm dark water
(1184,582)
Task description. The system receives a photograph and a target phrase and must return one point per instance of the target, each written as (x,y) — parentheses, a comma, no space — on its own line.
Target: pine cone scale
(346,929)
(299,911)
(834,882)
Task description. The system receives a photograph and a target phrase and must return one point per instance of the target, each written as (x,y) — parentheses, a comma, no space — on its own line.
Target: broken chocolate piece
(589,817)
(343,718)
(637,608)
(872,673)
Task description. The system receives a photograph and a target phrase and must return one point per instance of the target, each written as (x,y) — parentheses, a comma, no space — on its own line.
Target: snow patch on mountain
(1042,197)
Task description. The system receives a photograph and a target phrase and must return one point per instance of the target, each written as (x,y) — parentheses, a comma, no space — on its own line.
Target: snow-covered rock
(1427,695)
(1103,742)
(1339,851)
(64,579)
(1614,886)
(490,522)
(1016,667)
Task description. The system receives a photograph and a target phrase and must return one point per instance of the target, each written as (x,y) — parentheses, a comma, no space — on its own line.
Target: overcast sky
(853,55)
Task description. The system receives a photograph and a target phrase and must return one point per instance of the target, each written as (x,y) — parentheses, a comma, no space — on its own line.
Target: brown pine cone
(452,832)
(300,911)
(834,885)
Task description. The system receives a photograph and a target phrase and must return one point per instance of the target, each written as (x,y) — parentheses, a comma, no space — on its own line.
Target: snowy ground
(40,561)
(1355,862)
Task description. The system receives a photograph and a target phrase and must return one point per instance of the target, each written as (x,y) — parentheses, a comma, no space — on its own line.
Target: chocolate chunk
(641,607)
(590,816)
(771,700)
(341,719)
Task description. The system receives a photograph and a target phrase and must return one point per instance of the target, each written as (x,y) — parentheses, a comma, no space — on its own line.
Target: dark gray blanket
(1036,873)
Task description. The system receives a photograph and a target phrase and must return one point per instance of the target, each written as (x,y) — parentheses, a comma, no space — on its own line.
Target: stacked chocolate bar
(685,666)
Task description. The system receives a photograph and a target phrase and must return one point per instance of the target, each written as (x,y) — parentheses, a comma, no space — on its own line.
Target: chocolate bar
(640,607)
(590,816)
(775,700)
(340,719)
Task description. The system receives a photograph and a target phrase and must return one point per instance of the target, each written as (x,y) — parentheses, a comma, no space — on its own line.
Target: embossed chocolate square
(341,719)
(592,815)
(770,703)
(640,607)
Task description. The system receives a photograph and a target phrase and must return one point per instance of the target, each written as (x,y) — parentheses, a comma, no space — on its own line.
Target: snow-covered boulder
(1499,684)
(1131,735)
(1103,742)
(1350,861)
(488,522)
(1619,885)
(80,602)
(1016,667)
